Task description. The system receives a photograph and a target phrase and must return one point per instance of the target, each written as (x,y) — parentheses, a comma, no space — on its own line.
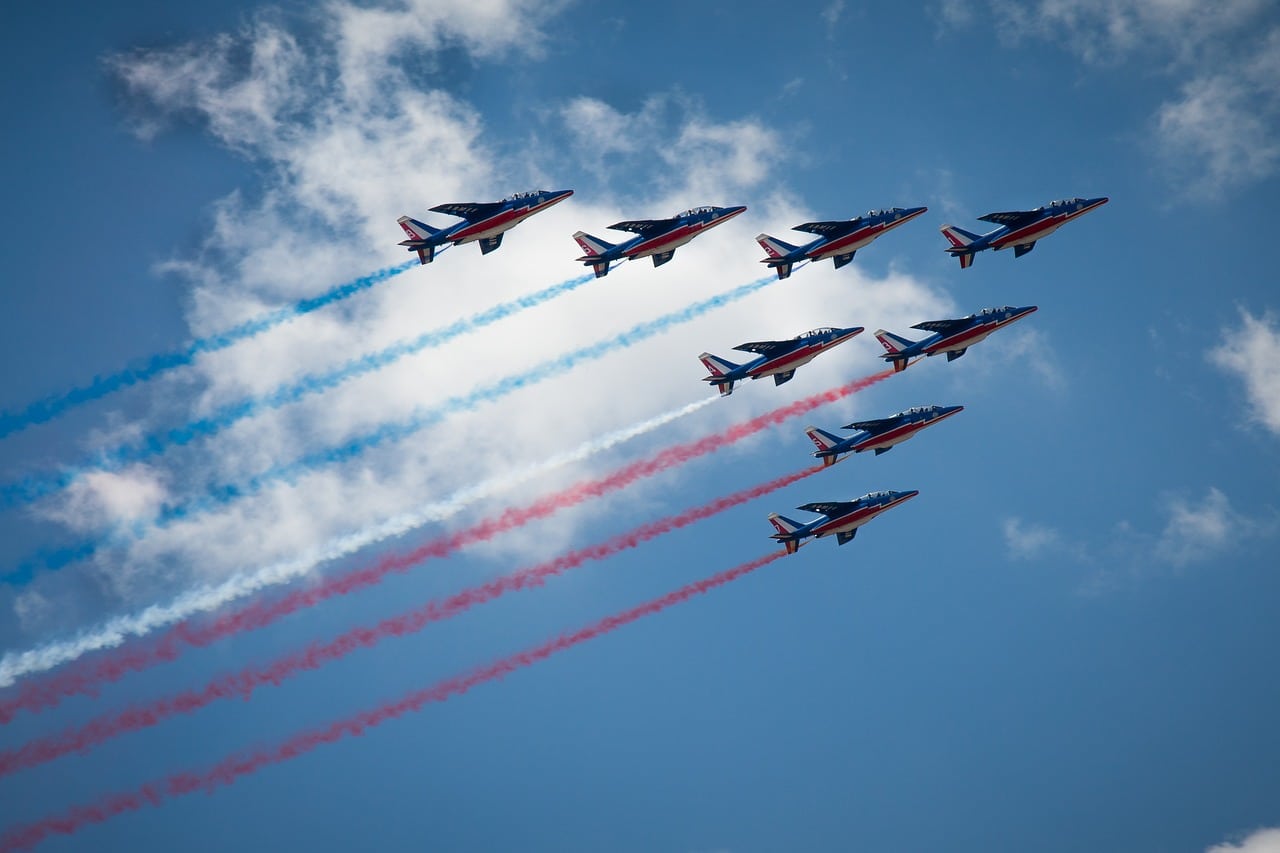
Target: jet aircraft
(843,518)
(1018,228)
(483,222)
(879,435)
(778,359)
(950,336)
(656,238)
(837,240)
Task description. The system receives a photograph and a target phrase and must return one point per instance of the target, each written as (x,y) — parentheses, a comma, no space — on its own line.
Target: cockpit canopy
(917,410)
(527,194)
(883,212)
(813,333)
(693,211)
(875,495)
(1063,202)
(989,311)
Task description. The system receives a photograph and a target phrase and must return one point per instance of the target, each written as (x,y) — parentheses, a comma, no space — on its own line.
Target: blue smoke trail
(33,488)
(223,494)
(51,407)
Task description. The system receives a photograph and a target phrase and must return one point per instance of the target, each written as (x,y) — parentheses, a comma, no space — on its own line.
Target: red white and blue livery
(483,222)
(837,240)
(842,518)
(778,359)
(879,435)
(952,337)
(655,238)
(1019,229)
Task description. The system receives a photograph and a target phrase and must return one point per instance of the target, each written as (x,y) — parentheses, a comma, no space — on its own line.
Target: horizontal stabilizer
(966,260)
(783,268)
(601,269)
(426,255)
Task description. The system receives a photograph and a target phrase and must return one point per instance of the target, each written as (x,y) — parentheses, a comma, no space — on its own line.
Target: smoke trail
(167,647)
(244,683)
(223,494)
(33,488)
(208,598)
(234,767)
(52,406)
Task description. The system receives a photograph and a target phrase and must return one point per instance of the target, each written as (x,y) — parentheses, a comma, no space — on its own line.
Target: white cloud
(1259,841)
(1197,530)
(1028,540)
(1222,129)
(338,168)
(832,12)
(1252,353)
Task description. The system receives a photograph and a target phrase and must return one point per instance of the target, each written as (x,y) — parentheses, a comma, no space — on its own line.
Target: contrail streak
(243,684)
(33,488)
(237,766)
(51,407)
(220,495)
(168,646)
(34,696)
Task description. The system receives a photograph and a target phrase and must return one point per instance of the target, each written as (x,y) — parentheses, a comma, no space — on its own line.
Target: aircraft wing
(944,327)
(1012,218)
(829,229)
(644,227)
(472,211)
(831,509)
(878,425)
(766,348)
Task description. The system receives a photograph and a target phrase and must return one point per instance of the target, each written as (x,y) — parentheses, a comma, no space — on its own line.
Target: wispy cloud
(1259,841)
(1028,540)
(1252,353)
(1221,130)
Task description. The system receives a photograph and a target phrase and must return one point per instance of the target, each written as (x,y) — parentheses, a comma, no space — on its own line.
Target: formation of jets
(838,240)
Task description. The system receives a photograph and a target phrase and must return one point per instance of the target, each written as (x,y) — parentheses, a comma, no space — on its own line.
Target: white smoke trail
(15,665)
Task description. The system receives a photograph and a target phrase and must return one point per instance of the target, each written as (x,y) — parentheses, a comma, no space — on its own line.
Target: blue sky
(1064,643)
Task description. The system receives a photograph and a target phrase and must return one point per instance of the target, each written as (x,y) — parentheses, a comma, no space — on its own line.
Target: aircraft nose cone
(951,410)
(913,212)
(726,212)
(906,496)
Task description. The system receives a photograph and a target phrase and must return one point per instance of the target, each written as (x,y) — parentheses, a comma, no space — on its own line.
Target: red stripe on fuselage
(857,518)
(898,434)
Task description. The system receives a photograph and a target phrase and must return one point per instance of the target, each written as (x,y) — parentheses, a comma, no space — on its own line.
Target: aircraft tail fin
(416,231)
(894,346)
(960,240)
(786,534)
(718,368)
(824,441)
(591,246)
(777,250)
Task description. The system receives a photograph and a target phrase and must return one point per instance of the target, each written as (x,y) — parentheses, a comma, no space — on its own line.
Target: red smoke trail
(242,684)
(232,768)
(84,678)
